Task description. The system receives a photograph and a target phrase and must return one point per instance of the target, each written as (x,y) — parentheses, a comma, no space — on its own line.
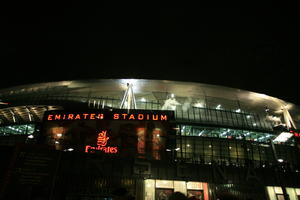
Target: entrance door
(163,193)
(196,193)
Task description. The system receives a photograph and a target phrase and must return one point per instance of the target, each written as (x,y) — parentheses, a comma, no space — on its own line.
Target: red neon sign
(101,145)
(75,116)
(104,116)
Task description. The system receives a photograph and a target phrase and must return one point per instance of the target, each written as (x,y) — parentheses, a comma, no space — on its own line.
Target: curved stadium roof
(32,97)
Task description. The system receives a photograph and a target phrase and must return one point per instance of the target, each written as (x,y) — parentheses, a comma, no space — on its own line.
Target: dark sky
(255,49)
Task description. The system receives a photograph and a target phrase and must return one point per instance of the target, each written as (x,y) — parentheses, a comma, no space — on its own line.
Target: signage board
(113,132)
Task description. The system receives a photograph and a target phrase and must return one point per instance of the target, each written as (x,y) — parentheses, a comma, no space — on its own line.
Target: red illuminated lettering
(101,144)
(77,116)
(50,117)
(132,116)
(70,116)
(85,115)
(87,147)
(140,116)
(163,117)
(116,116)
(113,149)
(124,115)
(92,116)
(100,116)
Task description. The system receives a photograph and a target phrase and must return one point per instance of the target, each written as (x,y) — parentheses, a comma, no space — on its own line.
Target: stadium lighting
(201,133)
(218,107)
(199,105)
(280,160)
(143,99)
(283,137)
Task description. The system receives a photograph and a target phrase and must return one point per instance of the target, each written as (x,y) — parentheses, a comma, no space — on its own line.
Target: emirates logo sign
(101,145)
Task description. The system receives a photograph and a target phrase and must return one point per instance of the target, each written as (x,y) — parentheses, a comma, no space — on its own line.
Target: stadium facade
(84,139)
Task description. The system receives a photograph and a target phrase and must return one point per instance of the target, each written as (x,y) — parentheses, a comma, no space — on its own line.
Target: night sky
(255,49)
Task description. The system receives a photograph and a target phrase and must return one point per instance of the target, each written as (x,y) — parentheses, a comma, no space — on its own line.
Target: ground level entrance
(161,189)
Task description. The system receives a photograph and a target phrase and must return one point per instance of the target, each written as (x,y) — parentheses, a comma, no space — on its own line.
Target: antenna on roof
(128,101)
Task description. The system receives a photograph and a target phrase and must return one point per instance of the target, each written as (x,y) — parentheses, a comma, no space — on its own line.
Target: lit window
(164,184)
(143,99)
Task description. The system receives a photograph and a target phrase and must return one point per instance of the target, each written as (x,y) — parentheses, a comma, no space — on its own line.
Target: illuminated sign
(140,116)
(141,133)
(74,116)
(101,145)
(137,116)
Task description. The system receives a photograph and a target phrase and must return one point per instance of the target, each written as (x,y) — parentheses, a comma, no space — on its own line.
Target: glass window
(232,149)
(25,129)
(194,185)
(278,190)
(216,150)
(204,131)
(256,155)
(180,186)
(164,184)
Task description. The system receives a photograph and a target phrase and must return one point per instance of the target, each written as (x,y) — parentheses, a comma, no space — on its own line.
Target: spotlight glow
(283,137)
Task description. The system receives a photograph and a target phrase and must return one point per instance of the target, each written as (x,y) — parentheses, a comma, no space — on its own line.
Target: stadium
(85,139)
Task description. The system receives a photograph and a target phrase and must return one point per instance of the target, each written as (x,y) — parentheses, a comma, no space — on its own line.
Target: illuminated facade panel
(161,189)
